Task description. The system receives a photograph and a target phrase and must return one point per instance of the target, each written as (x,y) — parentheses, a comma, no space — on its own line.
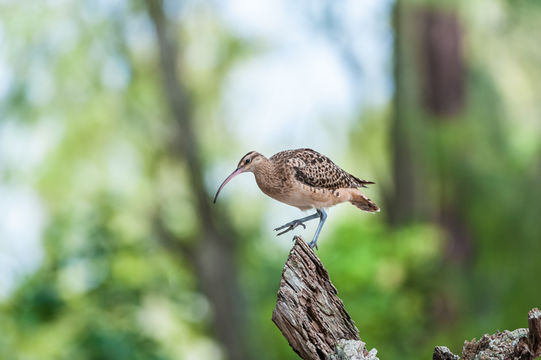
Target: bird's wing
(317,170)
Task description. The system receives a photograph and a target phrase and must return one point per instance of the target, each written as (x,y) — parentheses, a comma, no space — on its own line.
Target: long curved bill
(233,174)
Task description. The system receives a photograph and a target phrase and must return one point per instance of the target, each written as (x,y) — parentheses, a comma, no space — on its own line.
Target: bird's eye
(247,161)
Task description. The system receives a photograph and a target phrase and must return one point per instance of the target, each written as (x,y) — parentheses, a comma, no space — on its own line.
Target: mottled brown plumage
(317,170)
(306,179)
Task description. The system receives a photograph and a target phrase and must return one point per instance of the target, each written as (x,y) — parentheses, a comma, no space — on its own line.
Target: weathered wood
(352,350)
(534,334)
(309,313)
(443,353)
(505,345)
(519,344)
(314,321)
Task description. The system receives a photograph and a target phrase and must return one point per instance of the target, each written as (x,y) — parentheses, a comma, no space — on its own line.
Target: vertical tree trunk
(429,88)
(212,256)
(405,204)
(443,71)
(443,97)
(429,92)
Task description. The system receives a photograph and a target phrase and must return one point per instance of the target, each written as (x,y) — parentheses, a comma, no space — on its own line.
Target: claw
(283,232)
(300,222)
(290,226)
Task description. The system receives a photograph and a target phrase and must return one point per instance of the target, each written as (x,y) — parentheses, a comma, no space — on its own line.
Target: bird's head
(247,163)
(250,161)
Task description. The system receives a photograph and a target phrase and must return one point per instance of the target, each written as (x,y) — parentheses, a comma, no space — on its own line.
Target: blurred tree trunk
(443,97)
(441,51)
(212,255)
(429,97)
(405,203)
(429,78)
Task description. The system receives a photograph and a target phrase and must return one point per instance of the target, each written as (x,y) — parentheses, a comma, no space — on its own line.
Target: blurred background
(119,119)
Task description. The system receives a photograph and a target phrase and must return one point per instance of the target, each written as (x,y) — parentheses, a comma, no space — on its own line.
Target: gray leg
(322,217)
(299,222)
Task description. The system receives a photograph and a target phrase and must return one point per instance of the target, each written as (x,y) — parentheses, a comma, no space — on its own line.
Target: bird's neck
(264,168)
(264,175)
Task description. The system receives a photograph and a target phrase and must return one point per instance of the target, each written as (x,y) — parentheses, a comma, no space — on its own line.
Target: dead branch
(519,344)
(309,313)
(314,321)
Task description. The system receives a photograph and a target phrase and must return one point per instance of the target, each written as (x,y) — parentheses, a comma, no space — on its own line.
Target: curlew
(305,179)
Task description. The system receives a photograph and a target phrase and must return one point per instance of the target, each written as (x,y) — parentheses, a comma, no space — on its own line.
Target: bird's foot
(290,226)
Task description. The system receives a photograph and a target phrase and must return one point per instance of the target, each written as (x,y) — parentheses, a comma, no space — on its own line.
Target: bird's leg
(299,222)
(322,217)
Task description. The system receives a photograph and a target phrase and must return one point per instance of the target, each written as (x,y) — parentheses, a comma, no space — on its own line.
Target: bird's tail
(363,203)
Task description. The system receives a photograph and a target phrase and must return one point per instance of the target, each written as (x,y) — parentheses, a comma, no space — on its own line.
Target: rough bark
(520,344)
(443,353)
(534,335)
(309,313)
(314,321)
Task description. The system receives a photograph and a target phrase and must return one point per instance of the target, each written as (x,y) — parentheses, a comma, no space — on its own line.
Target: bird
(305,179)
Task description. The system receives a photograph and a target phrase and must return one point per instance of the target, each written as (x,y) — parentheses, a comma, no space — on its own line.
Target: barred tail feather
(364,203)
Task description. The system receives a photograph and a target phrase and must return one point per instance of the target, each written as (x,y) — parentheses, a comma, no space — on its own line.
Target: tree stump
(519,344)
(314,321)
(309,313)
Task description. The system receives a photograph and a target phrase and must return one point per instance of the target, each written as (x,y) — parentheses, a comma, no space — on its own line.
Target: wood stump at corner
(309,313)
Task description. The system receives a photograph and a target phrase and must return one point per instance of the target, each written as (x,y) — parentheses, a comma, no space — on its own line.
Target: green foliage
(86,89)
(383,277)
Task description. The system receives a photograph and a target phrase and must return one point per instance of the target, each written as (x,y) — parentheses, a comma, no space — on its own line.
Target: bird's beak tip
(233,174)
